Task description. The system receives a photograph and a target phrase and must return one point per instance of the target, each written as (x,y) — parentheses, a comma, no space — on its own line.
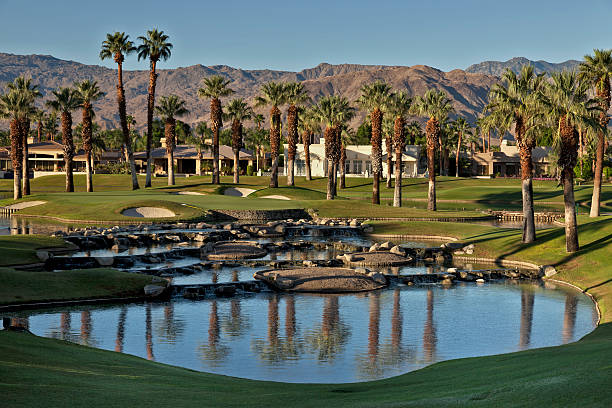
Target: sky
(291,35)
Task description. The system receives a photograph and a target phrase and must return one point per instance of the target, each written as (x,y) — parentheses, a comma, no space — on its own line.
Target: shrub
(607,172)
(249,170)
(113,168)
(584,172)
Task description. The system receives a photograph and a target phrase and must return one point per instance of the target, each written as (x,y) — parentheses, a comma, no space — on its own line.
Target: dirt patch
(321,280)
(238,191)
(25,204)
(148,212)
(234,250)
(377,258)
(276,197)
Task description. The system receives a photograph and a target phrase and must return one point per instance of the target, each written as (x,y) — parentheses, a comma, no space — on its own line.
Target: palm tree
(31,92)
(295,95)
(461,128)
(205,132)
(154,46)
(66,101)
(39,117)
(399,107)
(388,127)
(237,111)
(50,126)
(89,92)
(258,119)
(169,108)
(16,106)
(414,132)
(215,87)
(347,136)
(436,106)
(117,46)
(596,70)
(373,99)
(308,125)
(334,111)
(567,108)
(517,100)
(273,94)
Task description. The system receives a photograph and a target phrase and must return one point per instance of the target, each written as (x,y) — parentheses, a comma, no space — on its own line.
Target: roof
(191,152)
(510,154)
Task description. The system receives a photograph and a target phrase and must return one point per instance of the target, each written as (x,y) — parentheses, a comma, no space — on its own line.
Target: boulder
(385,246)
(153,290)
(480,280)
(354,223)
(367,228)
(349,257)
(453,245)
(398,250)
(374,247)
(378,277)
(105,260)
(225,291)
(451,270)
(548,270)
(42,255)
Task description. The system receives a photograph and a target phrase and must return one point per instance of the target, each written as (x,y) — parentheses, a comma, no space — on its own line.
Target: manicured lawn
(21,249)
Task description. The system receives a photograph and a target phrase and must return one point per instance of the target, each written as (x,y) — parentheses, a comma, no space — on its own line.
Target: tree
(435,106)
(89,92)
(461,127)
(596,71)
(15,106)
(50,126)
(415,132)
(373,99)
(347,136)
(273,94)
(567,108)
(39,117)
(295,95)
(309,125)
(517,100)
(169,108)
(24,86)
(334,111)
(237,111)
(154,46)
(117,46)
(215,87)
(388,126)
(66,101)
(205,132)
(400,108)
(257,140)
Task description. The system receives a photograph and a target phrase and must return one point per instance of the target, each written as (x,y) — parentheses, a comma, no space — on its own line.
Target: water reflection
(527,298)
(148,333)
(121,330)
(569,317)
(429,331)
(213,352)
(328,339)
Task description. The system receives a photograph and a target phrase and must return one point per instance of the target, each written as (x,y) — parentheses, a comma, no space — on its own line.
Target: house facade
(507,163)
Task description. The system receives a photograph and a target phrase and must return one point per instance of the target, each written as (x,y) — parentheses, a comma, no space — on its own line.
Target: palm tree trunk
(527,193)
(169,132)
(306,142)
(397,192)
(292,139)
(171,168)
(457,156)
(484,145)
(376,121)
(335,179)
(216,119)
(68,149)
(330,179)
(274,144)
(489,142)
(150,109)
(87,136)
(571,227)
(200,160)
(290,171)
(431,130)
(16,153)
(446,161)
(236,166)
(25,130)
(89,171)
(124,126)
(343,167)
(599,156)
(389,147)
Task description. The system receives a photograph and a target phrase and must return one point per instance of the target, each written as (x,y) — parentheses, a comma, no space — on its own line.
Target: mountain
(497,68)
(467,90)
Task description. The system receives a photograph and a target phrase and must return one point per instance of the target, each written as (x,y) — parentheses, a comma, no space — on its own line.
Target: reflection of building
(527,298)
(358,160)
(506,162)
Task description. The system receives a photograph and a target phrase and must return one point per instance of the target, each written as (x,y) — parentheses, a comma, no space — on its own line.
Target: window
(368,167)
(347,167)
(357,167)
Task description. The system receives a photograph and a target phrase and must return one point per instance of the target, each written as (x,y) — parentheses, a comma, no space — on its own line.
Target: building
(358,160)
(507,163)
(43,158)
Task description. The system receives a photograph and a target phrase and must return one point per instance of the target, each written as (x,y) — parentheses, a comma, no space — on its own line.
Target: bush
(607,172)
(113,168)
(249,170)
(584,172)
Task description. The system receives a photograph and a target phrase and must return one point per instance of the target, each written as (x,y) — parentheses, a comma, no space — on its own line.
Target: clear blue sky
(292,35)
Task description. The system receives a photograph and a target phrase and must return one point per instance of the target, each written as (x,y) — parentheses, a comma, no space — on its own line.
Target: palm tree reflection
(213,352)
(429,332)
(148,333)
(527,298)
(569,317)
(329,338)
(121,330)
(86,327)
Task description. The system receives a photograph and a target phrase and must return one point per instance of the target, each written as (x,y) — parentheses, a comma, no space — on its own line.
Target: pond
(330,338)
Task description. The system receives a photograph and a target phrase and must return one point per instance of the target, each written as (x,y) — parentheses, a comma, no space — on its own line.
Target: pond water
(329,338)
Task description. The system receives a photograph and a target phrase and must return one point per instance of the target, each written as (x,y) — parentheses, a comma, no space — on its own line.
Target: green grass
(21,249)
(28,287)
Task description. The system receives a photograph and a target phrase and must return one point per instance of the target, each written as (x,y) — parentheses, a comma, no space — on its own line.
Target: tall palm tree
(596,70)
(567,108)
(295,95)
(517,100)
(39,117)
(347,136)
(154,46)
(15,106)
(435,106)
(215,87)
(374,98)
(334,111)
(237,111)
(89,92)
(308,125)
(30,91)
(388,126)
(258,119)
(461,128)
(66,101)
(50,126)
(169,108)
(400,105)
(205,132)
(414,131)
(273,94)
(118,46)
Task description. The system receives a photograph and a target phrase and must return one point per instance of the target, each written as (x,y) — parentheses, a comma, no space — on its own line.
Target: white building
(358,160)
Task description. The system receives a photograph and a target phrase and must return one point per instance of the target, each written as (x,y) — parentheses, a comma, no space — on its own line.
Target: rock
(398,250)
(365,271)
(42,255)
(283,283)
(451,270)
(453,245)
(480,280)
(374,247)
(349,257)
(446,282)
(153,290)
(225,291)
(354,223)
(367,228)
(280,229)
(105,260)
(548,270)
(459,252)
(308,263)
(228,227)
(386,246)
(119,248)
(378,277)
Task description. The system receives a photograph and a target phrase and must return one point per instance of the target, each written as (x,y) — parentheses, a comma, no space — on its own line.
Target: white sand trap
(25,204)
(189,193)
(148,212)
(238,191)
(277,197)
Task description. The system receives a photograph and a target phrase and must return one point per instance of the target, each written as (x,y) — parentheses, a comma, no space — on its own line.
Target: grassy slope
(21,249)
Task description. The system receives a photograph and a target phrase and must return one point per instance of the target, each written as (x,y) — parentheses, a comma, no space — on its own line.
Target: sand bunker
(189,193)
(25,204)
(277,197)
(233,250)
(148,212)
(238,191)
(377,258)
(322,280)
